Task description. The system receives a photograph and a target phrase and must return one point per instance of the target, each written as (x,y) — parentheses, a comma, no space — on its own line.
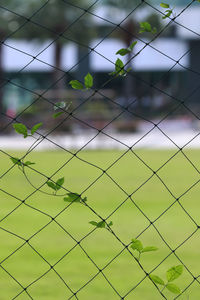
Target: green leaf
(173,288)
(101,224)
(51,185)
(123,51)
(136,245)
(145,27)
(174,272)
(59,183)
(58,105)
(56,115)
(164,5)
(110,223)
(156,279)
(77,85)
(93,223)
(149,249)
(119,65)
(28,163)
(35,128)
(128,70)
(132,45)
(21,129)
(88,81)
(73,197)
(169,12)
(16,161)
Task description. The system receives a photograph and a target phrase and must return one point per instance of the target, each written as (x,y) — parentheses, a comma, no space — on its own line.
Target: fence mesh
(53,244)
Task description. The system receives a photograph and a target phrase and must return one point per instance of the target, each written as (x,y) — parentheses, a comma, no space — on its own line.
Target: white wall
(19,54)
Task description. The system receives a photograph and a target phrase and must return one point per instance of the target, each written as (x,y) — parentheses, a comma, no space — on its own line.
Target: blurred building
(167,62)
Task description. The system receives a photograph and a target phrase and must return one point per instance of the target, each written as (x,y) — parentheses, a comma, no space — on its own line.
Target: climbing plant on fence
(56,186)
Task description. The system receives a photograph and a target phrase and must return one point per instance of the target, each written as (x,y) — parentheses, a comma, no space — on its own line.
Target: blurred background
(45,44)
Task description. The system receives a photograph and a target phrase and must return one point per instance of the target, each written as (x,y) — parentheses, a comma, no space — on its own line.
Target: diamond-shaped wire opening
(151,203)
(9,287)
(50,285)
(24,214)
(189,202)
(46,241)
(178,227)
(76,268)
(175,177)
(31,265)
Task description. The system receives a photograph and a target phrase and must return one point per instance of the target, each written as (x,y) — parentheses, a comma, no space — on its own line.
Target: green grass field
(104,197)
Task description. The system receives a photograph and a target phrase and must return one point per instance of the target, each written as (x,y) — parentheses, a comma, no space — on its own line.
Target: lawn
(76,266)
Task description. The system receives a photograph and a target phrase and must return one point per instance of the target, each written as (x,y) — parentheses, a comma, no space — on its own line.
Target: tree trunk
(58,81)
(84,65)
(127,37)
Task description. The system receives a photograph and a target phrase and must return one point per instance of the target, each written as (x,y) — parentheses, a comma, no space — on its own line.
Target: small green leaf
(59,183)
(156,279)
(101,224)
(119,65)
(174,272)
(123,51)
(73,197)
(145,27)
(58,105)
(128,70)
(110,223)
(173,288)
(132,45)
(56,115)
(21,129)
(28,163)
(168,14)
(164,5)
(149,249)
(77,85)
(88,81)
(51,185)
(136,245)
(16,161)
(93,223)
(35,128)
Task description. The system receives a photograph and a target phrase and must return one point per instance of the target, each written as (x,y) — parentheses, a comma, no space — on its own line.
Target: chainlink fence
(49,248)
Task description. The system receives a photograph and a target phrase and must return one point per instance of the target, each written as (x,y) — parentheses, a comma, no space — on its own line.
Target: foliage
(171,274)
(168,12)
(137,246)
(88,83)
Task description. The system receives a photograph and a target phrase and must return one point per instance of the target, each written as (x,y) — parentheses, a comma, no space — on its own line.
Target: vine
(135,245)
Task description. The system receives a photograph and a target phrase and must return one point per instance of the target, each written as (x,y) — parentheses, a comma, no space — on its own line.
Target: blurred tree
(60,22)
(8,21)
(41,20)
(126,34)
